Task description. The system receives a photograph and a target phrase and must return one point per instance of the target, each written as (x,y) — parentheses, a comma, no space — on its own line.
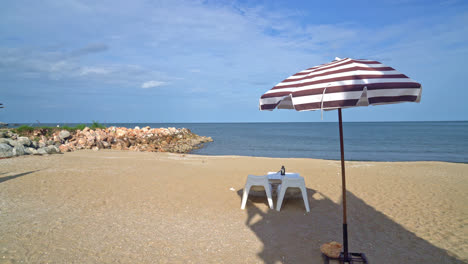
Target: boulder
(34,144)
(117,146)
(52,149)
(82,142)
(24,141)
(12,142)
(121,132)
(105,144)
(56,138)
(3,140)
(78,147)
(18,150)
(9,134)
(64,148)
(3,134)
(41,144)
(12,135)
(90,142)
(64,134)
(103,137)
(27,151)
(99,145)
(57,150)
(30,151)
(332,249)
(6,151)
(42,151)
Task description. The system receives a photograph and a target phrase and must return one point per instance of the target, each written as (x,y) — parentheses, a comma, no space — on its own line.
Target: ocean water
(367,141)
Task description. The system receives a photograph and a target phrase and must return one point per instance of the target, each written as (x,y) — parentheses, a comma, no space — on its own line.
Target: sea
(363,141)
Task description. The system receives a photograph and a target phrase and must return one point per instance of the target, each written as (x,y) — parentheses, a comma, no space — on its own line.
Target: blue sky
(210,61)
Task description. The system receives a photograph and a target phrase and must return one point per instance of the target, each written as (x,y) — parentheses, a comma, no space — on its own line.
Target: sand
(130,207)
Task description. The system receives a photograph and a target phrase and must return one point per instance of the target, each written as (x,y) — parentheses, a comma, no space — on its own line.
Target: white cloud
(234,45)
(152,84)
(93,70)
(59,66)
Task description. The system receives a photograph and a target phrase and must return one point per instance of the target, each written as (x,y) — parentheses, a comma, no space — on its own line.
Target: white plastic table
(295,181)
(276,177)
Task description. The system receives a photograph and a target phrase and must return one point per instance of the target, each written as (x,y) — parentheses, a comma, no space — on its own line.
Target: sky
(72,61)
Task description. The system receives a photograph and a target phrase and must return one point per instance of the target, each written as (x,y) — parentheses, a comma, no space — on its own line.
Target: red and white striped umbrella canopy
(342,83)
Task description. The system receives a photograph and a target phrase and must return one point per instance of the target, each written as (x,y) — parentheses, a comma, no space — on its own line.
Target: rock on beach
(25,141)
(6,151)
(18,150)
(64,134)
(176,140)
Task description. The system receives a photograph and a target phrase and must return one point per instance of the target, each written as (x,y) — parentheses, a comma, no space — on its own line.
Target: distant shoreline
(346,160)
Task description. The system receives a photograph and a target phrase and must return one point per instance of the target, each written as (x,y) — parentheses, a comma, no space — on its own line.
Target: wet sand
(131,207)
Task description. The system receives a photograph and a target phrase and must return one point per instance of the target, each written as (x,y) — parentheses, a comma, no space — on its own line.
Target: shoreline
(260,157)
(266,157)
(346,160)
(385,141)
(110,206)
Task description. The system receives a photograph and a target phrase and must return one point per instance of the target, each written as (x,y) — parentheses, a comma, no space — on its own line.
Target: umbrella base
(353,258)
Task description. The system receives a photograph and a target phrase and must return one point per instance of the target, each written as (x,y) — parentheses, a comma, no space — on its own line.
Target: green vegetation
(96,124)
(45,130)
(80,126)
(24,129)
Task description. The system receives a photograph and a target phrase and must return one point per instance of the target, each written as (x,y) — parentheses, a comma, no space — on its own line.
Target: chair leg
(268,193)
(304,197)
(245,196)
(279,202)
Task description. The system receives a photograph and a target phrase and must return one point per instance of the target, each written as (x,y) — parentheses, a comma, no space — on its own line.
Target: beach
(112,206)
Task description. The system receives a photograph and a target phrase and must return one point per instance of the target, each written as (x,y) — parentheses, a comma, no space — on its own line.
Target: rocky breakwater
(137,139)
(118,138)
(12,144)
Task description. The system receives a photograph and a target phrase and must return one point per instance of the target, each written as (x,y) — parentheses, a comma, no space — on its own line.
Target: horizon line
(238,122)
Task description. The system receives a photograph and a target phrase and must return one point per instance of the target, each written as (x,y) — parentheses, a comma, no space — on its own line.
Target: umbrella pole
(343,185)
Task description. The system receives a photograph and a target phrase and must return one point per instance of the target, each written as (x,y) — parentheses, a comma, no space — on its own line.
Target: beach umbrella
(342,83)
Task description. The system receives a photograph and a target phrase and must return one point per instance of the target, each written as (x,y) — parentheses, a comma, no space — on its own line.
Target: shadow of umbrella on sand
(339,84)
(289,235)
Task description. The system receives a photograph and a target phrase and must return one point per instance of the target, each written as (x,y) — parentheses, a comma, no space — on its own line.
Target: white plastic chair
(257,181)
(294,182)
